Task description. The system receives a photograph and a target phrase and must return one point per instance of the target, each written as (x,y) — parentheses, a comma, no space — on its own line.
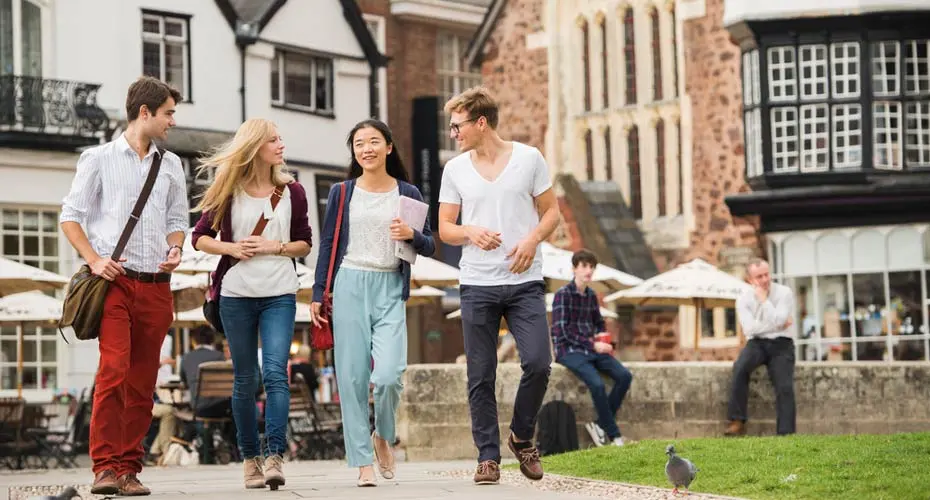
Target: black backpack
(556,429)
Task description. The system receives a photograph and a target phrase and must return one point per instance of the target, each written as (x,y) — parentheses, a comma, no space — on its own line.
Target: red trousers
(136,318)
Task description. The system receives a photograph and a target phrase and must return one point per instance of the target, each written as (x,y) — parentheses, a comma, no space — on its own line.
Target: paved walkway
(331,480)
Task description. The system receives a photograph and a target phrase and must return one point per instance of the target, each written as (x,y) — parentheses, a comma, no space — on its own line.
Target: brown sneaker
(274,475)
(735,428)
(252,472)
(130,486)
(105,483)
(530,465)
(488,472)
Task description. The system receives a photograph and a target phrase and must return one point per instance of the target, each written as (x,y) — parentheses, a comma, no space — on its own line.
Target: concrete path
(332,480)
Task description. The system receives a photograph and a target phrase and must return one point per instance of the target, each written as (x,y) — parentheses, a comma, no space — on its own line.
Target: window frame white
(17,38)
(47,234)
(163,39)
(281,101)
(455,71)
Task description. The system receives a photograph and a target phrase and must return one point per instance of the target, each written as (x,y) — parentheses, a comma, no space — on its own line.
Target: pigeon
(66,494)
(679,471)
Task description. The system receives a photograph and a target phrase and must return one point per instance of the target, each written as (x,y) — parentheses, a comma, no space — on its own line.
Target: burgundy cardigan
(300,231)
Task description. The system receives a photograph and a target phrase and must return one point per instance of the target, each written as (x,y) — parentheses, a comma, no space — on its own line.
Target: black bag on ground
(556,429)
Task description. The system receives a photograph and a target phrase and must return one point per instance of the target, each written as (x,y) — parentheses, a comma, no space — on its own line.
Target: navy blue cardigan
(422,240)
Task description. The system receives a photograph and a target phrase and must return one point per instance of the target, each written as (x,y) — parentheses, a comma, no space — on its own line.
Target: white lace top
(370,245)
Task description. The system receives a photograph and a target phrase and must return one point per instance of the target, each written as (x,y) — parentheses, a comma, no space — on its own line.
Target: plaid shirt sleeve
(560,306)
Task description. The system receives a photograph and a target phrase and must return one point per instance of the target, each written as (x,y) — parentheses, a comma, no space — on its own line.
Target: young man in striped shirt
(582,345)
(137,311)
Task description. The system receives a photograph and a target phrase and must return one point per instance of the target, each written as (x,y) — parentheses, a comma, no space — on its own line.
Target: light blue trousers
(369,322)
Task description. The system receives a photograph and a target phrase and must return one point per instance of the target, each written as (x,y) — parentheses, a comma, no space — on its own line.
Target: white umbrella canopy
(17,278)
(550,297)
(557,268)
(432,272)
(694,283)
(29,307)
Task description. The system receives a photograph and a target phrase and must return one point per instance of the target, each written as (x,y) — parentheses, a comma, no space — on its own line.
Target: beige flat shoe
(386,467)
(366,483)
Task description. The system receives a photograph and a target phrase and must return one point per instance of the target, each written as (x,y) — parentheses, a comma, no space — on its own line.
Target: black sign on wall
(426,169)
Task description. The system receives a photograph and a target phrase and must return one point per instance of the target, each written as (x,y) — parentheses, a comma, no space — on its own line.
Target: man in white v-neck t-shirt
(504,193)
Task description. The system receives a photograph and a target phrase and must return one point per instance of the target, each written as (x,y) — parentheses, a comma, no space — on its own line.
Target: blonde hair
(477,102)
(233,162)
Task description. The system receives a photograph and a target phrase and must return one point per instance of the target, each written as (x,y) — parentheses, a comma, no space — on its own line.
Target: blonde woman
(256,281)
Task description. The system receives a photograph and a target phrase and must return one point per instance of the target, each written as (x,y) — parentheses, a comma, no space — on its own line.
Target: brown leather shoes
(130,486)
(105,483)
(530,465)
(488,472)
(735,428)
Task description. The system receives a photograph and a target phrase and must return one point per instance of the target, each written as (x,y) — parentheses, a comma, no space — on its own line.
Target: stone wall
(674,400)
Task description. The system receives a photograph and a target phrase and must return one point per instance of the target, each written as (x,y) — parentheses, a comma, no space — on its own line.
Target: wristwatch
(282,248)
(180,250)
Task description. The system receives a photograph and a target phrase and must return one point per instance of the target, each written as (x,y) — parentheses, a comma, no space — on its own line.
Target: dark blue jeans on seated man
(589,367)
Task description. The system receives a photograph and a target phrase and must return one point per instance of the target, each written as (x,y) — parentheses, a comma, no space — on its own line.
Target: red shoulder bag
(322,336)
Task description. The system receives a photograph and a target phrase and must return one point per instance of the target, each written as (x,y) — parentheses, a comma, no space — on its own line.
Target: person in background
(256,281)
(203,352)
(766,313)
(163,410)
(370,289)
(302,365)
(582,345)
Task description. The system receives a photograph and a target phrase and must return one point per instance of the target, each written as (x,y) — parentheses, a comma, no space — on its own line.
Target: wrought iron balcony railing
(34,105)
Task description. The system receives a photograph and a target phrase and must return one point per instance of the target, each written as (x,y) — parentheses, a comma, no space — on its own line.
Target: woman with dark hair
(370,286)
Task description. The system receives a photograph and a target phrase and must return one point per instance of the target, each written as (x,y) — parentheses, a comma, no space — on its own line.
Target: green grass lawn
(893,466)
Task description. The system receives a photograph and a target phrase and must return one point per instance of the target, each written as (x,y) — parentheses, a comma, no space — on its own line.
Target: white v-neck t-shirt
(506,204)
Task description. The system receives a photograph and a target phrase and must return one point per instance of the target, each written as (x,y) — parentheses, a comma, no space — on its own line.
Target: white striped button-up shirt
(105,188)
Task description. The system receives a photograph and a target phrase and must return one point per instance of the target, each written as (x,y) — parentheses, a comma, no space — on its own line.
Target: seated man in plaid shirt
(576,324)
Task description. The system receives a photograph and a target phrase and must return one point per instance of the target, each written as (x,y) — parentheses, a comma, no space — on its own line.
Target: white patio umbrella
(550,297)
(557,268)
(27,308)
(432,272)
(696,283)
(17,278)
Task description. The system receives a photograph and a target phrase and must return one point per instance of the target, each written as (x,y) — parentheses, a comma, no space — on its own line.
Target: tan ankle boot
(252,468)
(274,473)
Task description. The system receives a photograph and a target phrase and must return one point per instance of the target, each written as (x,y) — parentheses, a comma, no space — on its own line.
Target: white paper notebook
(413,213)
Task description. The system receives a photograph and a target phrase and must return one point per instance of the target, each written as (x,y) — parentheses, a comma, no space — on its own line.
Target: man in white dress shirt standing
(138,307)
(766,314)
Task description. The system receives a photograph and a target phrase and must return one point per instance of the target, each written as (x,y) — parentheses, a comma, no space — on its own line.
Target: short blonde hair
(754,262)
(477,102)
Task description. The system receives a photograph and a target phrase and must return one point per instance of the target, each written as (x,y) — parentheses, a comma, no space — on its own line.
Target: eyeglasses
(456,127)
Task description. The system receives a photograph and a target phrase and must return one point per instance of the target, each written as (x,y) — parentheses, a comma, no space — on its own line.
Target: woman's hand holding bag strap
(321,328)
(211,308)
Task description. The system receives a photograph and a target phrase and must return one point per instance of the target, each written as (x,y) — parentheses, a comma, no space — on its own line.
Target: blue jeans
(588,367)
(244,319)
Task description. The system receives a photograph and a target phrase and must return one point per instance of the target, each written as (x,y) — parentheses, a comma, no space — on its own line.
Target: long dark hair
(395,166)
